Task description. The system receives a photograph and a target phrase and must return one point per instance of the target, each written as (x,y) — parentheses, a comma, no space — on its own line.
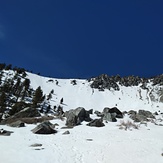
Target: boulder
(116,111)
(44,128)
(99,114)
(5,132)
(110,114)
(66,132)
(111,117)
(25,113)
(142,115)
(96,123)
(146,113)
(72,119)
(76,116)
(17,124)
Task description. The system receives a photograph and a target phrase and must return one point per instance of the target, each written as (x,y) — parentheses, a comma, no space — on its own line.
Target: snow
(106,144)
(87,144)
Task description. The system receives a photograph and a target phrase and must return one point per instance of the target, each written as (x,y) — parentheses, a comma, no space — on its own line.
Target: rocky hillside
(20,89)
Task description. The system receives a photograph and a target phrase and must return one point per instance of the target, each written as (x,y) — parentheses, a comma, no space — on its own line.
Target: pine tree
(38,97)
(2,66)
(8,67)
(26,85)
(2,102)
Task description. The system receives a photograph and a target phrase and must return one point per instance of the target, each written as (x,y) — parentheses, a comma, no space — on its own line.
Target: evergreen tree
(2,66)
(2,102)
(26,85)
(38,97)
(8,67)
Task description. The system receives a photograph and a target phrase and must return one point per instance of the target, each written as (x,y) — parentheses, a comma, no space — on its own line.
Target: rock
(139,118)
(111,117)
(66,132)
(17,124)
(116,111)
(76,116)
(44,128)
(36,145)
(5,132)
(71,119)
(110,114)
(142,115)
(156,113)
(96,123)
(146,113)
(99,114)
(132,112)
(25,113)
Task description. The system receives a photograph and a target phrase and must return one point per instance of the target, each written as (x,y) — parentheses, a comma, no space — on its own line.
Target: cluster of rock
(75,117)
(107,82)
(158,80)
(141,115)
(78,115)
(104,81)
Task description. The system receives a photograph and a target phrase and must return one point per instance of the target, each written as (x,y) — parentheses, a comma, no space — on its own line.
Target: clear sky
(83,38)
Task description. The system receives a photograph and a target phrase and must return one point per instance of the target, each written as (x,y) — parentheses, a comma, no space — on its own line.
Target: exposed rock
(36,145)
(66,132)
(142,115)
(44,128)
(89,139)
(103,82)
(17,124)
(5,132)
(67,127)
(99,114)
(96,123)
(110,114)
(146,113)
(72,119)
(76,116)
(25,113)
(139,118)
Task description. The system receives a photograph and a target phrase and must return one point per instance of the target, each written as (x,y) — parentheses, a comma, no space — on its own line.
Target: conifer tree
(26,85)
(2,102)
(37,98)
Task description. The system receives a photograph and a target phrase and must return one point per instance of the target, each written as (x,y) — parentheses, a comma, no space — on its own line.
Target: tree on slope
(37,98)
(2,102)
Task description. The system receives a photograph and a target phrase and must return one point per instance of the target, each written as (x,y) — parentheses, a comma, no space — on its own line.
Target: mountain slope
(83,95)
(87,144)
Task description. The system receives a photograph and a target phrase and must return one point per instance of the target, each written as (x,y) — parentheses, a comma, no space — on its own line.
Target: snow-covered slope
(83,95)
(86,144)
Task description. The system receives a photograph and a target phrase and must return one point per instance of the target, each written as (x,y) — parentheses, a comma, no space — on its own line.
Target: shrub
(128,125)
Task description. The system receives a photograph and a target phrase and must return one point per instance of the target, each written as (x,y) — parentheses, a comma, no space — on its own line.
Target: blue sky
(83,38)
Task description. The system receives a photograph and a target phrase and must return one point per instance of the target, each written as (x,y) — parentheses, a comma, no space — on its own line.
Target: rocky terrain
(82,109)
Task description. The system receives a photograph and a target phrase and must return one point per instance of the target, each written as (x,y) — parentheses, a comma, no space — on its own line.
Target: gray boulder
(25,113)
(44,128)
(5,132)
(76,116)
(96,123)
(66,132)
(146,113)
(99,114)
(110,114)
(72,119)
(17,124)
(142,115)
